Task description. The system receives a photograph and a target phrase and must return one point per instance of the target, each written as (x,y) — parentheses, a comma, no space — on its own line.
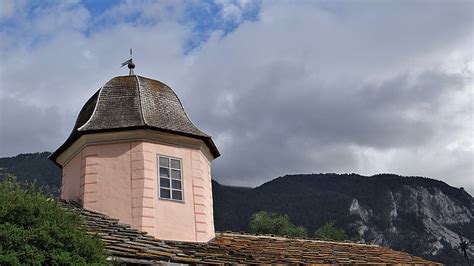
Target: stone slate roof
(132,246)
(134,102)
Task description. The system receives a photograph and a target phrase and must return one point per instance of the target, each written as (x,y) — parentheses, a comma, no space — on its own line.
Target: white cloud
(309,87)
(234,10)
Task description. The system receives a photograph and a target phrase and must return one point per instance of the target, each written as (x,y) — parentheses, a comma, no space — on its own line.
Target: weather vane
(130,64)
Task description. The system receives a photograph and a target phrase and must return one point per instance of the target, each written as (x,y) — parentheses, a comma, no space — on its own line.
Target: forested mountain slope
(419,215)
(33,166)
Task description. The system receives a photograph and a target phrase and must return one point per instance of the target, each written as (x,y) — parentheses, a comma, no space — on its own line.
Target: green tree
(274,223)
(36,230)
(329,232)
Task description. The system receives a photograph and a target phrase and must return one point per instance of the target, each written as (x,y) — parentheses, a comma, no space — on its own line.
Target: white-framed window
(170,182)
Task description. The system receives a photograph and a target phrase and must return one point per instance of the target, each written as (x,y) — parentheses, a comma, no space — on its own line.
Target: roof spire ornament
(130,64)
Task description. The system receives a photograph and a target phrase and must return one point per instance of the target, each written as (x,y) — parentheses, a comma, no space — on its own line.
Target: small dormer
(135,155)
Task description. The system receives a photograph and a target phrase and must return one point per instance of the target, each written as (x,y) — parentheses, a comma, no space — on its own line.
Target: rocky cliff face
(416,217)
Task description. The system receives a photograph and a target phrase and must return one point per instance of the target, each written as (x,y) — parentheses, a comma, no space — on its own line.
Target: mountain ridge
(415,214)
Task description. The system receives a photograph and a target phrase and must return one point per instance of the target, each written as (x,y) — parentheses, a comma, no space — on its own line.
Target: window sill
(172,200)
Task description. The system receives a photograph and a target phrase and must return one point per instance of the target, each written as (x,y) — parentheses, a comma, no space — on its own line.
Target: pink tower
(135,155)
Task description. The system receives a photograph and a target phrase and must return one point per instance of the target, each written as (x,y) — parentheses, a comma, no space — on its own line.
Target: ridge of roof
(126,244)
(275,237)
(140,99)
(95,108)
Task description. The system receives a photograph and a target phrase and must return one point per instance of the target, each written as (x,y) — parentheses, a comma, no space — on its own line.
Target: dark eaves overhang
(77,134)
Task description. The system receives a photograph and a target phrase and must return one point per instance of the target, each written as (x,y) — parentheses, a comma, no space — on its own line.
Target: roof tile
(126,244)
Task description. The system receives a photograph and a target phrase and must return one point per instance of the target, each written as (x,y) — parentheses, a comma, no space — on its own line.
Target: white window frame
(170,178)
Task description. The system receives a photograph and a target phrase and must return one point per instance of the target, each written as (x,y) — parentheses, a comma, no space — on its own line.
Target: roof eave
(77,134)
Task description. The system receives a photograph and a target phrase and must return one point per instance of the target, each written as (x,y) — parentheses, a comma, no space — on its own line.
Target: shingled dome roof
(134,102)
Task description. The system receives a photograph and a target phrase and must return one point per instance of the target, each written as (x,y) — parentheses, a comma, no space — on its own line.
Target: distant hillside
(33,166)
(419,215)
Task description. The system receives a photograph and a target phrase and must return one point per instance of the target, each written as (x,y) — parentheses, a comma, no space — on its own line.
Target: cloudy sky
(282,86)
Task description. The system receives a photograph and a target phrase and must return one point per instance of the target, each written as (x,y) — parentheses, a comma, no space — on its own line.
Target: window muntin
(170,178)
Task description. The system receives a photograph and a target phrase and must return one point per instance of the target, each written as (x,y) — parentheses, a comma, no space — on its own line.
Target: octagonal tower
(135,155)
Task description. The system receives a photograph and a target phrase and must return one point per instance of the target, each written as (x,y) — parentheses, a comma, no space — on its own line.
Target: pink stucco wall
(114,185)
(71,181)
(121,180)
(190,220)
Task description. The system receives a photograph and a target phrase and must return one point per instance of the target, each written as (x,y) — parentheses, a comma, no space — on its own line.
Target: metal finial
(130,64)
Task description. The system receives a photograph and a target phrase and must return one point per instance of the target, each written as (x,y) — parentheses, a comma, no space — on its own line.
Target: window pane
(176,174)
(175,164)
(164,172)
(164,193)
(177,195)
(164,182)
(176,184)
(164,161)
